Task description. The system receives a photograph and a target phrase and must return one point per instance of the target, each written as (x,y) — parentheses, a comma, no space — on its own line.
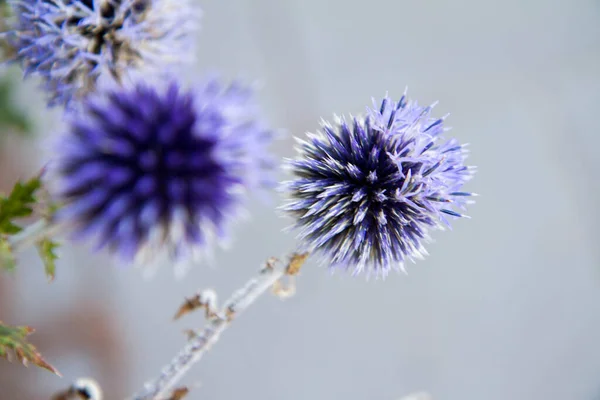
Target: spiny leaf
(13,340)
(46,248)
(7,258)
(18,204)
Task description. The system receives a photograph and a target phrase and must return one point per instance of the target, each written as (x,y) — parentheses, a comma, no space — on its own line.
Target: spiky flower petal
(366,192)
(71,44)
(144,169)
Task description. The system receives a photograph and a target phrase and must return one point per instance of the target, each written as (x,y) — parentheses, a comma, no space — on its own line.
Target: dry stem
(200,342)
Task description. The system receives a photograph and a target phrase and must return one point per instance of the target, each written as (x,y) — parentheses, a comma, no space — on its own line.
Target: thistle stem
(201,341)
(31,234)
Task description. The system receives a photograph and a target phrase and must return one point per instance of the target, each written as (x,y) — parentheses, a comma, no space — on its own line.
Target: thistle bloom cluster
(148,170)
(154,172)
(74,44)
(367,191)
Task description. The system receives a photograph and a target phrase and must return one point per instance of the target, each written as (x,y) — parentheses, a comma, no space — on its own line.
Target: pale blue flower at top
(72,44)
(154,173)
(366,191)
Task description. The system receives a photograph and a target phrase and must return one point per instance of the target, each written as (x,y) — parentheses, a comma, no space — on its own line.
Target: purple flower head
(366,192)
(144,169)
(72,44)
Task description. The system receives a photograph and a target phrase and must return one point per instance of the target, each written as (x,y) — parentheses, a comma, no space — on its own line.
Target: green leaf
(46,248)
(18,205)
(7,258)
(13,340)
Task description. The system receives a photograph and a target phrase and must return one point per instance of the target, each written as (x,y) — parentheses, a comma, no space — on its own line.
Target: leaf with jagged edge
(46,249)
(13,340)
(18,204)
(7,258)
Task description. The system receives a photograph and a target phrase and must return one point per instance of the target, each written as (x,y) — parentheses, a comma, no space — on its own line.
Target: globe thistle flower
(150,172)
(81,389)
(367,191)
(72,44)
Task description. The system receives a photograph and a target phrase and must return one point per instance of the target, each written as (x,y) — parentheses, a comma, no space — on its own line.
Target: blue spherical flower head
(366,192)
(72,44)
(151,172)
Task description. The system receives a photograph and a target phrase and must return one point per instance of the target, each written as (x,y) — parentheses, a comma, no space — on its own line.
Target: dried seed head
(73,45)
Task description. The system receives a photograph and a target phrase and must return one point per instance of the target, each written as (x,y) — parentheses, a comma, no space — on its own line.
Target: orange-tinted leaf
(13,339)
(188,306)
(179,393)
(296,262)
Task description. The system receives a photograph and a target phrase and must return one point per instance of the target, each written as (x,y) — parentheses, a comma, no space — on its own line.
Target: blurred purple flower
(365,193)
(71,44)
(145,169)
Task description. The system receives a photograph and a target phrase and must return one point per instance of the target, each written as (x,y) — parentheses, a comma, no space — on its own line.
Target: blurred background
(507,305)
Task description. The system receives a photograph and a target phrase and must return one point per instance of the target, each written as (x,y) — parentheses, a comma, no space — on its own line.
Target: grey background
(507,306)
